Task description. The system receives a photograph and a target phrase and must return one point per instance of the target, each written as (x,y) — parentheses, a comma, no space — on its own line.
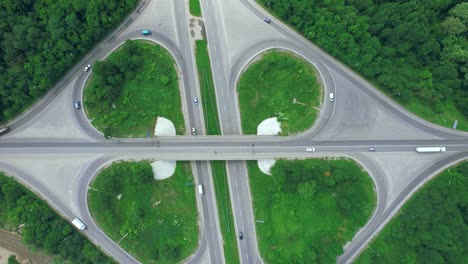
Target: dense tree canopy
(414,50)
(42,227)
(40,40)
(431,228)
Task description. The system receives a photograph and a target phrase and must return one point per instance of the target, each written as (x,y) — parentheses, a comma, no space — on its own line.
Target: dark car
(267,20)
(241,235)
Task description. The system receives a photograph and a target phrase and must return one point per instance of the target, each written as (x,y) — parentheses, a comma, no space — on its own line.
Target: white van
(79,224)
(200,189)
(332,97)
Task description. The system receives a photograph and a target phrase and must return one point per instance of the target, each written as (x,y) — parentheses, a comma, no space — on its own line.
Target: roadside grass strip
(309,209)
(205,76)
(154,220)
(131,88)
(280,85)
(195,8)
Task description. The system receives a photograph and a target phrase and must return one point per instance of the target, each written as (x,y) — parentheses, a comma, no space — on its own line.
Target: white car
(77,105)
(310,149)
(87,67)
(195,100)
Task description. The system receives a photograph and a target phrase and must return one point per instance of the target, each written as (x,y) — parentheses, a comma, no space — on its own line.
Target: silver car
(77,105)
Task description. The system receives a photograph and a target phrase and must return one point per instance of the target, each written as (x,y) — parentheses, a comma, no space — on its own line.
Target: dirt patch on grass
(12,244)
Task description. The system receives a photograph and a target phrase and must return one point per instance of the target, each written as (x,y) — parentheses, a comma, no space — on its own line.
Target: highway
(207,148)
(211,232)
(337,132)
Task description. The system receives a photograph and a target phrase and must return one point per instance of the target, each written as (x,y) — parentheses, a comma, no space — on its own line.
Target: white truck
(430,149)
(79,224)
(200,189)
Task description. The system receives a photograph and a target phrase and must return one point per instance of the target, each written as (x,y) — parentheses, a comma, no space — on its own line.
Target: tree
(12,260)
(169,252)
(108,132)
(307,189)
(11,193)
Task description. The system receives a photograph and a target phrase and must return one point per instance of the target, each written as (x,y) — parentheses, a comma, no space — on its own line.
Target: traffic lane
(362,239)
(191,87)
(198,171)
(243,216)
(227,107)
(210,212)
(212,234)
(219,62)
(225,141)
(213,150)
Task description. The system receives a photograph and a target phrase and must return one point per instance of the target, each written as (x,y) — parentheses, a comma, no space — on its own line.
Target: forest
(430,228)
(415,51)
(41,40)
(40,226)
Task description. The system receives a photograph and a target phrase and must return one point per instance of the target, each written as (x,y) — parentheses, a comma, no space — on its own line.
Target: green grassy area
(226,220)
(430,228)
(269,87)
(309,209)
(131,88)
(207,89)
(195,8)
(154,220)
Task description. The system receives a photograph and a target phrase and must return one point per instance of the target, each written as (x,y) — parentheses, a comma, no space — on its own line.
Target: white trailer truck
(79,224)
(430,149)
